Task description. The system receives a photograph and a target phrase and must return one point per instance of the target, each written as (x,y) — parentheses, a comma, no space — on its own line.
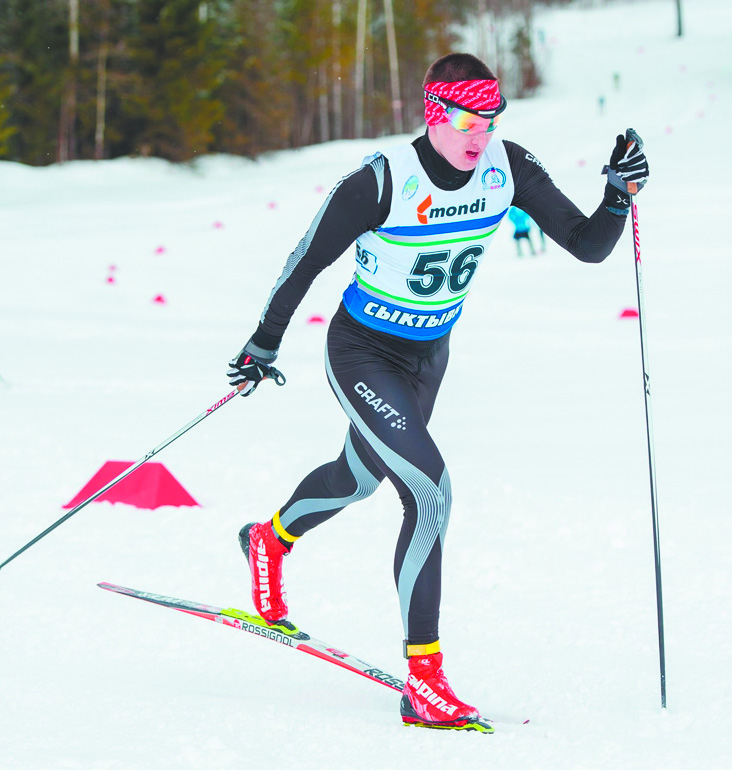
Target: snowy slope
(548,598)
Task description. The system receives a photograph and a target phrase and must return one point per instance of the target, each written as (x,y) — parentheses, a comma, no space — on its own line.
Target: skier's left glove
(252,365)
(627,172)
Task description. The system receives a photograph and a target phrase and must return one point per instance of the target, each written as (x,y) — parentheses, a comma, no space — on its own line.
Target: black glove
(628,166)
(252,365)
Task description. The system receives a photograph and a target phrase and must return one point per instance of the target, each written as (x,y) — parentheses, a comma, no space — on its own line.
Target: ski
(289,635)
(284,633)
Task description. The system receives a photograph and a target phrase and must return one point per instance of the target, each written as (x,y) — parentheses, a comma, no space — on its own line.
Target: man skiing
(421,216)
(522,229)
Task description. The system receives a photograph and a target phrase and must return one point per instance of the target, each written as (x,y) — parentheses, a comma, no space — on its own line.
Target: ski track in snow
(548,597)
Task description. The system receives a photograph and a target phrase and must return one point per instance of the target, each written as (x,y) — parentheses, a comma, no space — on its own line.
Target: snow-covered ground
(549,599)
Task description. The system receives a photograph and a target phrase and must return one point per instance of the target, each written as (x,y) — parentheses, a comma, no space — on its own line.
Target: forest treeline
(180,78)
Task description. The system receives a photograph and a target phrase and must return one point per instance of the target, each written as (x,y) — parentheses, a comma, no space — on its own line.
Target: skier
(422,216)
(522,226)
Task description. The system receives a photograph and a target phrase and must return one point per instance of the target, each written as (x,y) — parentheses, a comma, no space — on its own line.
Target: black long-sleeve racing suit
(387,384)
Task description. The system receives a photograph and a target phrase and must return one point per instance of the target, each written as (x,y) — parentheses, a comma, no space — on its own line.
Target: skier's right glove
(627,172)
(252,365)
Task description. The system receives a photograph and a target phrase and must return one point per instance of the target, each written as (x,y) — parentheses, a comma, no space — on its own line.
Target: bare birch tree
(67,127)
(360,68)
(679,25)
(102,84)
(396,99)
(337,72)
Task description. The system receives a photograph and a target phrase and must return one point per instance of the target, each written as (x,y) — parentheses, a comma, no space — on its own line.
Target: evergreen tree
(257,109)
(175,74)
(526,75)
(303,33)
(425,30)
(178,78)
(33,60)
(7,129)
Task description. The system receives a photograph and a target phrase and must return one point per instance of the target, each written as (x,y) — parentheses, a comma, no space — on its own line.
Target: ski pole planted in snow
(651,455)
(277,376)
(631,137)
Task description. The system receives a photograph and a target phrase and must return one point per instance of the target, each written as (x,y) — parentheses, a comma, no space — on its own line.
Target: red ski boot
(265,553)
(428,699)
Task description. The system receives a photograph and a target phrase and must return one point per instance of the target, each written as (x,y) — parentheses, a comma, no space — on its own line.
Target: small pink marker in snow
(271,205)
(160,250)
(319,188)
(159,300)
(111,279)
(629,312)
(581,162)
(112,268)
(316,319)
(218,225)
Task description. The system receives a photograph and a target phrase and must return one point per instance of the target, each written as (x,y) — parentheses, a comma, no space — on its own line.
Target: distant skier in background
(522,229)
(422,216)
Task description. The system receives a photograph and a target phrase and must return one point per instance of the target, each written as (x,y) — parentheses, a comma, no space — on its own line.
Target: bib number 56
(433,268)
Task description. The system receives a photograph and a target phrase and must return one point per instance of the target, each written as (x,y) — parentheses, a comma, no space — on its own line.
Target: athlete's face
(462,150)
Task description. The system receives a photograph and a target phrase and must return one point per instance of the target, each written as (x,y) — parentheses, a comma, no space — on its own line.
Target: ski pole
(277,376)
(631,135)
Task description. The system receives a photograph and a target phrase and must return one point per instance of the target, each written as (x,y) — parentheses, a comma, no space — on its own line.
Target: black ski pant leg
(389,400)
(330,488)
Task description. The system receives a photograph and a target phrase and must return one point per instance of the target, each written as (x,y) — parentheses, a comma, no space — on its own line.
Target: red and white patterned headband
(478,96)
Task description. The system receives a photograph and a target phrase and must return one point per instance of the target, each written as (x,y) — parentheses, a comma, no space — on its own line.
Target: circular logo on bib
(410,188)
(493,178)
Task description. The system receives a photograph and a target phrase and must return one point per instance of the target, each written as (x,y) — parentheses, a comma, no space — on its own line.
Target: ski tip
(509,721)
(117,589)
